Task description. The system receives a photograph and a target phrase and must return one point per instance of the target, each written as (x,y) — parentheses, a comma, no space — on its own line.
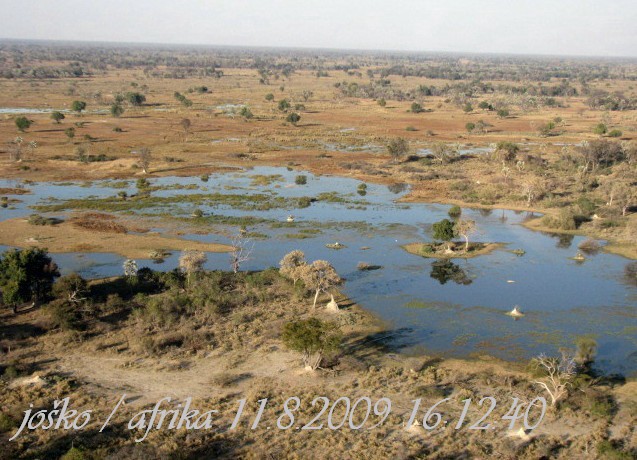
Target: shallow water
(417,297)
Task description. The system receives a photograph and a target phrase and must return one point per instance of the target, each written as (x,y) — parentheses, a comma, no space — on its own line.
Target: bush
(416,108)
(630,272)
(64,315)
(22,123)
(300,180)
(615,133)
(293,118)
(455,211)
(304,202)
(589,246)
(36,219)
(565,220)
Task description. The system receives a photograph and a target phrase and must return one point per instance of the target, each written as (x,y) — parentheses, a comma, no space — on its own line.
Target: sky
(558,27)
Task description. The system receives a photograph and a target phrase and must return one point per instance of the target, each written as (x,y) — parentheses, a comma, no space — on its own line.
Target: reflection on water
(445,270)
(466,299)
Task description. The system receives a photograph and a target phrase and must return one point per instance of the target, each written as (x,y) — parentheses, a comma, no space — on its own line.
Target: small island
(445,231)
(450,250)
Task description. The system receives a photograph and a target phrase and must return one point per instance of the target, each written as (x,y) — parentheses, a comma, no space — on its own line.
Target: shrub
(600,129)
(630,272)
(416,108)
(589,246)
(615,133)
(304,202)
(455,211)
(293,118)
(22,123)
(565,220)
(300,180)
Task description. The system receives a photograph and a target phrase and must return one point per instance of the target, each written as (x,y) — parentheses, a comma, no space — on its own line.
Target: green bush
(455,212)
(300,180)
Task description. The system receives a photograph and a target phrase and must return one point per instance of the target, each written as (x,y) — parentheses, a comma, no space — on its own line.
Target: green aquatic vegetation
(263,180)
(110,184)
(256,202)
(297,236)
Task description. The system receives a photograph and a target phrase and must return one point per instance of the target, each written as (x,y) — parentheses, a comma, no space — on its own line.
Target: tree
(444,230)
(242,248)
(117,110)
(397,148)
(57,117)
(73,288)
(130,269)
(293,118)
(26,275)
(558,375)
(292,265)
(312,338)
(465,228)
(191,262)
(600,153)
(70,133)
(135,99)
(78,106)
(23,123)
(320,276)
(145,157)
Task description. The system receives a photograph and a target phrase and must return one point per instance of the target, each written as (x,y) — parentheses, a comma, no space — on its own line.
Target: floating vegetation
(264,180)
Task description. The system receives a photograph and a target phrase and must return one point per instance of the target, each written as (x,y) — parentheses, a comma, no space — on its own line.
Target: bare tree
(444,152)
(15,149)
(533,189)
(559,373)
(320,276)
(242,248)
(466,228)
(191,262)
(625,195)
(145,157)
(185,125)
(292,265)
(397,148)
